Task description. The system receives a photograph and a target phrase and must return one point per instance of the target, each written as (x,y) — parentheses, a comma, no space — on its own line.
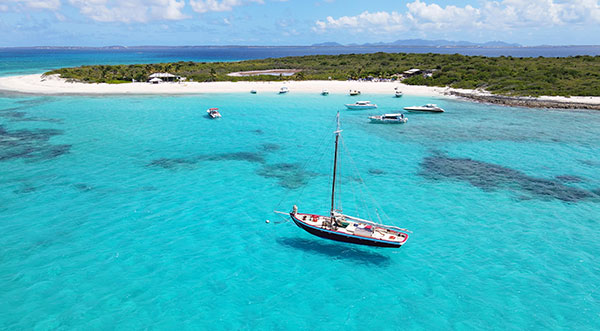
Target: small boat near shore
(214,113)
(432,108)
(284,90)
(389,119)
(358,105)
(354,92)
(325,92)
(253,91)
(398,94)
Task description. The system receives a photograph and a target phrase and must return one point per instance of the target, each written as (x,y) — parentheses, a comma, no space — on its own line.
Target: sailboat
(340,227)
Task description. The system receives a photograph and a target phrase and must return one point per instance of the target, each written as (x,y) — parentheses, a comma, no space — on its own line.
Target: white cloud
(129,11)
(365,21)
(491,15)
(38,4)
(203,6)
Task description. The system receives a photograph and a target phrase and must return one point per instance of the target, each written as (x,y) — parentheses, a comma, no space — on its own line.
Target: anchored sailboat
(350,229)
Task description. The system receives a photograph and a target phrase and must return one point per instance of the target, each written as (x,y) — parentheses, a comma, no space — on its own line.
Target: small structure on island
(411,72)
(155,80)
(164,77)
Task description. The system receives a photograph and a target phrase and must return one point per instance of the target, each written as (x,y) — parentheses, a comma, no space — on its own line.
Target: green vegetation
(579,75)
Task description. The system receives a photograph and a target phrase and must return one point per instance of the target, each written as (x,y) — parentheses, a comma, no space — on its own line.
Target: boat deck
(378,233)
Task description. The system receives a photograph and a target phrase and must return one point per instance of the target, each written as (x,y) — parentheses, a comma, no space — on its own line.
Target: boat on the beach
(427,108)
(389,119)
(283,90)
(345,228)
(358,105)
(253,91)
(325,92)
(354,92)
(214,113)
(398,93)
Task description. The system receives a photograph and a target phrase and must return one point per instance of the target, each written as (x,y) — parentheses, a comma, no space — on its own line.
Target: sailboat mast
(337,137)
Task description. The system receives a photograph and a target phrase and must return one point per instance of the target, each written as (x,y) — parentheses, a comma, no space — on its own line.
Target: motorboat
(398,93)
(325,92)
(361,105)
(284,90)
(430,107)
(345,228)
(214,113)
(389,119)
(253,91)
(354,92)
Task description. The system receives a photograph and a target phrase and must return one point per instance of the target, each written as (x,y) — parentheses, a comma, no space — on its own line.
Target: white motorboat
(398,93)
(253,91)
(283,90)
(354,92)
(361,105)
(389,119)
(325,92)
(428,107)
(214,113)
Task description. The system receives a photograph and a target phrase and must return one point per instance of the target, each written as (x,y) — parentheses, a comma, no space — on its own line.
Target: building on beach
(164,77)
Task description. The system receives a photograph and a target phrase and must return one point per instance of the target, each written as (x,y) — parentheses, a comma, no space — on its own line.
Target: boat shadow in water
(337,251)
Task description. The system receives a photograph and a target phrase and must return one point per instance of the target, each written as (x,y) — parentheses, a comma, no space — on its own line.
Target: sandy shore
(54,85)
(37,84)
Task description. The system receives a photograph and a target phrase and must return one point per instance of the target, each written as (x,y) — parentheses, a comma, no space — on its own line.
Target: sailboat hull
(337,236)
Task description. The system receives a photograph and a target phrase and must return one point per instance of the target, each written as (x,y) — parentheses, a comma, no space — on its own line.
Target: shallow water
(140,212)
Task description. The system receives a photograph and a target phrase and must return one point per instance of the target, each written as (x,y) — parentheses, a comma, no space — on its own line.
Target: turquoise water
(139,212)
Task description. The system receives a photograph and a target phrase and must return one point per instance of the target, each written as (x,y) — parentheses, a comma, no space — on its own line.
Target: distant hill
(331,43)
(428,43)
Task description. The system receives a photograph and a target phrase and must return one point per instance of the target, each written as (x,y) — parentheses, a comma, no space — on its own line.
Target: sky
(294,22)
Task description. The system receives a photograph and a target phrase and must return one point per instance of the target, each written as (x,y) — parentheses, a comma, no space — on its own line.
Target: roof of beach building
(162,75)
(412,71)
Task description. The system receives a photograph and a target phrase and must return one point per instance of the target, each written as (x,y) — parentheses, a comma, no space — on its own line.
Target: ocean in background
(139,212)
(19,61)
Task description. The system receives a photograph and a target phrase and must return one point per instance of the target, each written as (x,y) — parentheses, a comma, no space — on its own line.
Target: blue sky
(294,22)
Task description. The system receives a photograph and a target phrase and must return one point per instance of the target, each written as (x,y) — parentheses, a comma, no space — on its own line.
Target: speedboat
(214,113)
(283,90)
(361,105)
(389,119)
(253,91)
(325,92)
(398,93)
(354,92)
(428,107)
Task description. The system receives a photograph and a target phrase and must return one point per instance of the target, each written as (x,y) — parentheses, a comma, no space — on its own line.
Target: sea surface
(139,212)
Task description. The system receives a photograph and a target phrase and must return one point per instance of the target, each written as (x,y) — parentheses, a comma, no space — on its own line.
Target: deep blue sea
(139,212)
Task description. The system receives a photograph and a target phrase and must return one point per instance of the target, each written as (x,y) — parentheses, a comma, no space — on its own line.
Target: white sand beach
(38,84)
(54,85)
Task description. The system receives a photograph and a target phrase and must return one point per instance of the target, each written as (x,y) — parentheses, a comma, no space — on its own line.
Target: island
(541,82)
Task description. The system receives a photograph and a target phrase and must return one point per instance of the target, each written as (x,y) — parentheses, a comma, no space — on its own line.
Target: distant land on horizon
(429,43)
(405,42)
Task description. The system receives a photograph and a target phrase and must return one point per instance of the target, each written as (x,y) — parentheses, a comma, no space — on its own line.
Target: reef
(488,177)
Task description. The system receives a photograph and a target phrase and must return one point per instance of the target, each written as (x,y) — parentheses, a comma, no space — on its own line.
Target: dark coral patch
(289,175)
(488,176)
(376,172)
(176,163)
(30,144)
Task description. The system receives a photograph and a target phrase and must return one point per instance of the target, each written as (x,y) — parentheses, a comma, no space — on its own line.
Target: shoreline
(590,103)
(53,85)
